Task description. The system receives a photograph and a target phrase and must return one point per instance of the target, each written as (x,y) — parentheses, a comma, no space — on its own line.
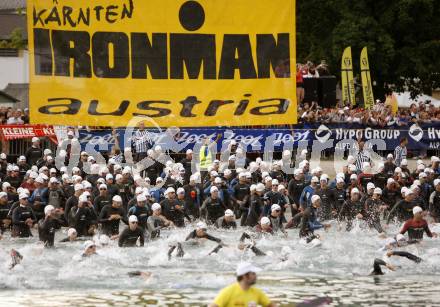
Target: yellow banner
(366,80)
(348,92)
(174,62)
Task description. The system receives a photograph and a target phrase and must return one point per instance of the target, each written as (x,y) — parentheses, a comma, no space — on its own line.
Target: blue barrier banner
(256,139)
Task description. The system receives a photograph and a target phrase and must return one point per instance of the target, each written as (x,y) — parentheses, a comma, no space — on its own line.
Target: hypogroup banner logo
(181,63)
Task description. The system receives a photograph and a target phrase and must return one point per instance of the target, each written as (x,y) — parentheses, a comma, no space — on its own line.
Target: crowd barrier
(422,138)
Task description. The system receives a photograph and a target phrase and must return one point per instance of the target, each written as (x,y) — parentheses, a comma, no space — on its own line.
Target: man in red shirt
(417,226)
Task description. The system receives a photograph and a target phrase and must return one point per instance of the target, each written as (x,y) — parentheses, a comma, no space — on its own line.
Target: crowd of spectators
(381,115)
(10,116)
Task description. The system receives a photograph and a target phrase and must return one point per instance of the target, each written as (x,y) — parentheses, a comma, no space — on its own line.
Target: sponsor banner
(12,132)
(348,90)
(366,80)
(420,137)
(169,62)
(187,138)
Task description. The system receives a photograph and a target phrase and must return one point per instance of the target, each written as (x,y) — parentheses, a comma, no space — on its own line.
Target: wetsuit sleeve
(93,215)
(405,227)
(303,223)
(407,255)
(96,203)
(342,212)
(211,238)
(191,235)
(33,217)
(391,214)
(103,216)
(141,238)
(245,236)
(203,208)
(123,237)
(427,230)
(257,251)
(377,270)
(123,216)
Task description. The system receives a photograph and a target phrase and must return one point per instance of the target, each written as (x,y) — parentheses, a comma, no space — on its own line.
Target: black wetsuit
(172,213)
(111,227)
(241,192)
(327,202)
(128,237)
(403,210)
(349,210)
(251,246)
(377,270)
(100,202)
(212,209)
(255,210)
(142,213)
(193,235)
(309,223)
(19,217)
(46,230)
(295,189)
(415,229)
(70,203)
(191,200)
(222,223)
(82,219)
(340,196)
(380,180)
(372,210)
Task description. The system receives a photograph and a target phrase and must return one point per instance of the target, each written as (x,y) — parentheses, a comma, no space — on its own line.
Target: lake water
(338,269)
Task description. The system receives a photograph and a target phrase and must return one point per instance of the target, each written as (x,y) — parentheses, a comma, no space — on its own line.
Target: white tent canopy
(404,99)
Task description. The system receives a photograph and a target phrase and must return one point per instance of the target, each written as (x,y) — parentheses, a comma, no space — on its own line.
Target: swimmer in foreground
(242,293)
(417,226)
(377,270)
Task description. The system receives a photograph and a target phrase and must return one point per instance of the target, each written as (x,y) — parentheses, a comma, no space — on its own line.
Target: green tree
(402,36)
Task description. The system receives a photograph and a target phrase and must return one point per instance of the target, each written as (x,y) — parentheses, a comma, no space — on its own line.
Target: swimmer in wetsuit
(131,234)
(245,246)
(417,226)
(198,233)
(377,270)
(16,258)
(309,222)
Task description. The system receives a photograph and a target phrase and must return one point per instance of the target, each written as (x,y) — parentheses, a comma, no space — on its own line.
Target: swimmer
(89,249)
(131,234)
(72,236)
(48,225)
(309,222)
(417,226)
(245,246)
(16,258)
(227,221)
(200,233)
